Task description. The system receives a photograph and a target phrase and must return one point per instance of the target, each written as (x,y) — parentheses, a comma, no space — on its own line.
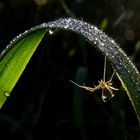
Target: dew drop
(66,26)
(51,32)
(2,52)
(119,65)
(7,94)
(102,44)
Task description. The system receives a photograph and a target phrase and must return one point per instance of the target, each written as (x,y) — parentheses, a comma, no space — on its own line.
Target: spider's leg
(107,94)
(113,88)
(112,75)
(104,69)
(87,88)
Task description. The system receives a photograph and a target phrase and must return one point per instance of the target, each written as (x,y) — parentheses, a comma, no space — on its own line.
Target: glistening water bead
(50,32)
(7,94)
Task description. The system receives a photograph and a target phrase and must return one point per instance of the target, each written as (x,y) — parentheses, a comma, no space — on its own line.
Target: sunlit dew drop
(2,52)
(102,44)
(7,94)
(50,32)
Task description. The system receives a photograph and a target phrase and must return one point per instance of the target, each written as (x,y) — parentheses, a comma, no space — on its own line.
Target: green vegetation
(14,60)
(43,103)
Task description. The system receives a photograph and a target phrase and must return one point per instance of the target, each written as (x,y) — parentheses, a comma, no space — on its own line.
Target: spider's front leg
(107,94)
(87,88)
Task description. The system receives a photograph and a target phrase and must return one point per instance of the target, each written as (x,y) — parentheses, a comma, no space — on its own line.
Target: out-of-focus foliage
(51,110)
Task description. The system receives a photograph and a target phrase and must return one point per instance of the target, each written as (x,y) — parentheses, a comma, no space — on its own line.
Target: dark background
(44,104)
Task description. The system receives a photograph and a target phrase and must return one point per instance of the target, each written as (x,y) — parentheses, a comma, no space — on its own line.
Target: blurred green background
(44,104)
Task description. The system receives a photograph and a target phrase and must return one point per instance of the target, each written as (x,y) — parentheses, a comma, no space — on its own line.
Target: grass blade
(14,60)
(126,71)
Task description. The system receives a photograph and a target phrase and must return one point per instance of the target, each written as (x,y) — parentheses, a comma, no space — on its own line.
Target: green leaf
(14,60)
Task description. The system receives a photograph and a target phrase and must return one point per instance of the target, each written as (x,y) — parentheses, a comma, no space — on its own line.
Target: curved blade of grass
(14,60)
(126,71)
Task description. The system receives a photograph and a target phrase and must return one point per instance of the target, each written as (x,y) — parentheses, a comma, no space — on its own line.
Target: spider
(105,86)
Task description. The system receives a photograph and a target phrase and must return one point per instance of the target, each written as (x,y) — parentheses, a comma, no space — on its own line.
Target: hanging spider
(105,86)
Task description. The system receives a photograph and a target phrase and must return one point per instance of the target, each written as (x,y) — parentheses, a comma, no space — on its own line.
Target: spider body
(105,86)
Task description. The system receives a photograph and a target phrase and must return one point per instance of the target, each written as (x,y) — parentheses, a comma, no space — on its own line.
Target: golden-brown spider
(105,86)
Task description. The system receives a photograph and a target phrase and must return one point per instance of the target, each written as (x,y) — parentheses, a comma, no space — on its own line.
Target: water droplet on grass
(7,94)
(51,32)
